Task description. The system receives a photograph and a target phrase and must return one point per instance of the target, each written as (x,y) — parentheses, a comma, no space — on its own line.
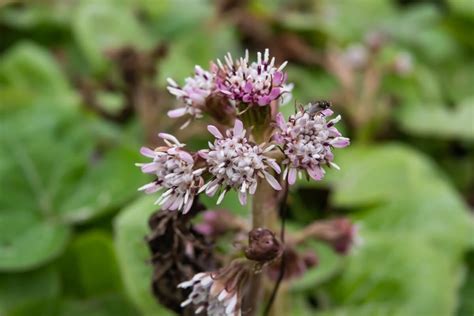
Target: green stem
(264,214)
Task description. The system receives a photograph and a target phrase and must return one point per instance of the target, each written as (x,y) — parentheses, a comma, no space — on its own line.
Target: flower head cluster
(175,173)
(193,94)
(235,162)
(259,82)
(307,140)
(218,293)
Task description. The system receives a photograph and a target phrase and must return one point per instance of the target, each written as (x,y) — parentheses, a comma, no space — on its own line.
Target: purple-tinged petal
(147,152)
(215,131)
(277,78)
(238,127)
(242,198)
(327,112)
(316,173)
(272,181)
(340,142)
(265,100)
(177,112)
(280,120)
(275,93)
(292,176)
(186,156)
(248,87)
(169,137)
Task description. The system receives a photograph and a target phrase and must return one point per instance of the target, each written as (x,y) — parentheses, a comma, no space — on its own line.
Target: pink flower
(193,94)
(256,83)
(175,173)
(236,163)
(307,140)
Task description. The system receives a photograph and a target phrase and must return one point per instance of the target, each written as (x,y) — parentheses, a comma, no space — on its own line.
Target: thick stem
(265,215)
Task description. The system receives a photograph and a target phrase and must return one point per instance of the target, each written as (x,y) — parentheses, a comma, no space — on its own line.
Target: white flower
(307,140)
(175,173)
(220,293)
(193,94)
(236,163)
(257,83)
(210,295)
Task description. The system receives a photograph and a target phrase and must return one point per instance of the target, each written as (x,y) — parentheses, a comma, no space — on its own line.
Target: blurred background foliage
(82,86)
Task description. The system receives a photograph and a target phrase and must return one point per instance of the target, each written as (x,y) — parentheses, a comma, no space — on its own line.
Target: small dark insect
(318,106)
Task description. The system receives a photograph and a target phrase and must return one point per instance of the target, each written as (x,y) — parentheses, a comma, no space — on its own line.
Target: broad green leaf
(102,25)
(172,22)
(29,68)
(347,21)
(329,264)
(107,184)
(89,266)
(131,226)
(415,233)
(430,41)
(28,240)
(466,292)
(112,305)
(402,270)
(440,122)
(29,293)
(49,180)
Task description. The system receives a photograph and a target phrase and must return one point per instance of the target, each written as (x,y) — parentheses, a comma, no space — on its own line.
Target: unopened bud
(263,245)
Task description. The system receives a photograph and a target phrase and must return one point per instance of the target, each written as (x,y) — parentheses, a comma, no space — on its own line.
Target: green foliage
(130,229)
(103,25)
(23,294)
(411,222)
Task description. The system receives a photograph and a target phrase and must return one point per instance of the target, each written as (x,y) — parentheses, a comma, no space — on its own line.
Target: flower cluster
(307,139)
(248,158)
(175,173)
(256,83)
(193,94)
(235,162)
(259,82)
(218,293)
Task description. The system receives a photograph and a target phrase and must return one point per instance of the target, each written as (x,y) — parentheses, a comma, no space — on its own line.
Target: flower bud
(263,245)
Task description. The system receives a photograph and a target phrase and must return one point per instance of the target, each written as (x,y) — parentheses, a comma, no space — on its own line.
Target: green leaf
(328,266)
(97,306)
(28,240)
(415,228)
(89,266)
(439,121)
(466,304)
(343,25)
(102,25)
(29,293)
(50,180)
(29,68)
(403,272)
(107,184)
(130,229)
